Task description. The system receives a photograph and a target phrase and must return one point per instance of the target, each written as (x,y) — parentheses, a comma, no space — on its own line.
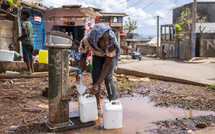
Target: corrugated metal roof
(113,14)
(29,5)
(71,6)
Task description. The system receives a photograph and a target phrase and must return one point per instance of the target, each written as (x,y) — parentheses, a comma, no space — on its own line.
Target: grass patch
(211,86)
(124,85)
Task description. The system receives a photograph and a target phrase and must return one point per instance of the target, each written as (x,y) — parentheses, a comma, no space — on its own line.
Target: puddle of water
(138,114)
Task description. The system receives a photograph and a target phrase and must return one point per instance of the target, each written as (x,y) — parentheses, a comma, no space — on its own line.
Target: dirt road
(22,102)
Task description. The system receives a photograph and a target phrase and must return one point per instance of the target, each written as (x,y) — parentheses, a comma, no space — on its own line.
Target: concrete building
(10,25)
(153,41)
(115,21)
(71,18)
(137,45)
(205,40)
(37,20)
(203,9)
(7,21)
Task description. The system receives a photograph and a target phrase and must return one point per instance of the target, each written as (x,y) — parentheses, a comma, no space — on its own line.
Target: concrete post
(193,36)
(160,51)
(157,49)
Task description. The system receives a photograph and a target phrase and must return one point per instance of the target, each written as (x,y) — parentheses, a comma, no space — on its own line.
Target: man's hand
(18,39)
(94,89)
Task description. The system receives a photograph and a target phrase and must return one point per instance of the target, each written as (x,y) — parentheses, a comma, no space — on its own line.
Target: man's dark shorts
(27,52)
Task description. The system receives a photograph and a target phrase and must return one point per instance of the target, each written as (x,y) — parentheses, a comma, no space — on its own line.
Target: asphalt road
(197,72)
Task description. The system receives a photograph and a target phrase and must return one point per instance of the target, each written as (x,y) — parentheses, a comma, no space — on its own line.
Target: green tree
(130,26)
(185,20)
(13,4)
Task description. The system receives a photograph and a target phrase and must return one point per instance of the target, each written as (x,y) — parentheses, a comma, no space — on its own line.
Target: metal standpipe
(59,44)
(58,87)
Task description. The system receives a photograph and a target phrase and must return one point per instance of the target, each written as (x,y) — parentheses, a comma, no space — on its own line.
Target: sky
(142,11)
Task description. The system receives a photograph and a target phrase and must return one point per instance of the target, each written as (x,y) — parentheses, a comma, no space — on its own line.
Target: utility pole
(157,50)
(193,36)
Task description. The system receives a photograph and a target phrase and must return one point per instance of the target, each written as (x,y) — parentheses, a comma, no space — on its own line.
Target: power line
(164,18)
(139,2)
(144,19)
(176,1)
(117,5)
(145,6)
(149,4)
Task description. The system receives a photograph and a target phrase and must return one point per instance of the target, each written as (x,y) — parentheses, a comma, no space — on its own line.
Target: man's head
(104,40)
(25,14)
(75,45)
(11,47)
(36,52)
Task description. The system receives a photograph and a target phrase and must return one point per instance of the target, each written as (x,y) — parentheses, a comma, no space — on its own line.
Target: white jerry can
(87,108)
(112,114)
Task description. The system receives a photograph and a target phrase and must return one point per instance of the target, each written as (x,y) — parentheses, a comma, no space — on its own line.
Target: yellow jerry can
(43,56)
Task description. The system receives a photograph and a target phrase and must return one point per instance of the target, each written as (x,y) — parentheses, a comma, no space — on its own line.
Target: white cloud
(140,16)
(160,13)
(112,5)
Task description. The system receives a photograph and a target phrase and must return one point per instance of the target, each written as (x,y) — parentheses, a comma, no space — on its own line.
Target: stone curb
(33,75)
(156,76)
(118,71)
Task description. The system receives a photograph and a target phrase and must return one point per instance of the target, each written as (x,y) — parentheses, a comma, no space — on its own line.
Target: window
(116,19)
(119,19)
(104,19)
(113,19)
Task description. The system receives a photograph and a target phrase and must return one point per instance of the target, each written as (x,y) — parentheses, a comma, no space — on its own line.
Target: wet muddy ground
(23,102)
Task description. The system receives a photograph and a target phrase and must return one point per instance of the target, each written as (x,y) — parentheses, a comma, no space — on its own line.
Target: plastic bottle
(13,127)
(91,67)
